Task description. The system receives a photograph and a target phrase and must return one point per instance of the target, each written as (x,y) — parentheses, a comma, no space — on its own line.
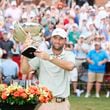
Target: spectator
(107,69)
(69,27)
(74,73)
(74,34)
(103,29)
(8,23)
(96,59)
(94,39)
(13,11)
(91,31)
(28,13)
(48,31)
(83,27)
(80,2)
(81,49)
(1,53)
(6,44)
(69,3)
(74,80)
(9,70)
(77,12)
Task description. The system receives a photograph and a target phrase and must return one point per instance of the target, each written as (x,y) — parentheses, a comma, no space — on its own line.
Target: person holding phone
(54,65)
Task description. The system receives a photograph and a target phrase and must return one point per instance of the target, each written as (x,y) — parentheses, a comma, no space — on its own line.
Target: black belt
(59,99)
(16,54)
(80,58)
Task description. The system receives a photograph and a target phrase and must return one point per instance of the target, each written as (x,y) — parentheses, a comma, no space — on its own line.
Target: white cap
(75,25)
(11,27)
(32,14)
(97,43)
(103,16)
(48,12)
(24,16)
(101,8)
(60,32)
(90,22)
(82,36)
(13,3)
(77,7)
(69,42)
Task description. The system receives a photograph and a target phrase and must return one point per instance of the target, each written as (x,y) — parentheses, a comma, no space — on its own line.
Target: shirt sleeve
(89,54)
(1,45)
(70,57)
(34,63)
(106,55)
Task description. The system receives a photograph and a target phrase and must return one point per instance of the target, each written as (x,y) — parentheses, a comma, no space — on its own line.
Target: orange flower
(24,95)
(45,89)
(42,98)
(38,92)
(16,94)
(4,95)
(34,90)
(21,90)
(50,95)
(47,99)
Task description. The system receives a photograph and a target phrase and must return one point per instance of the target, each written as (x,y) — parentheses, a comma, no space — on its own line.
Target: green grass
(92,103)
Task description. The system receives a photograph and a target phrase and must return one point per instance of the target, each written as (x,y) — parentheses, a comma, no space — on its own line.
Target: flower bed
(16,96)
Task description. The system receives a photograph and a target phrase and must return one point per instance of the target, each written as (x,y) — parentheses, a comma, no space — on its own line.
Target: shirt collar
(51,53)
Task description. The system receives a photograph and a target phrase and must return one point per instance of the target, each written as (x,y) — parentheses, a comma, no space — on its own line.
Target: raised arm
(25,68)
(66,65)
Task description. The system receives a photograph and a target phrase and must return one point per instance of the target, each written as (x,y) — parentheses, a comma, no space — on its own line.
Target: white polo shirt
(53,77)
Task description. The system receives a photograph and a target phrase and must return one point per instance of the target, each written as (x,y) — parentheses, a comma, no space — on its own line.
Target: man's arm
(66,65)
(90,61)
(25,68)
(103,61)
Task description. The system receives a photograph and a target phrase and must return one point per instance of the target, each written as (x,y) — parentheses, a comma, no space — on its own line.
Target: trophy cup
(22,32)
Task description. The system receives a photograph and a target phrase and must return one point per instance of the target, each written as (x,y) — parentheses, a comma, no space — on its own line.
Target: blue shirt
(76,19)
(9,68)
(96,57)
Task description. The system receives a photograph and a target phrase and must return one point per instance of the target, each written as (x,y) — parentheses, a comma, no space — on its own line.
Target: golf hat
(60,32)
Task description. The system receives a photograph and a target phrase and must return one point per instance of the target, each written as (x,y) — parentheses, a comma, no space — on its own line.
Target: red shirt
(66,21)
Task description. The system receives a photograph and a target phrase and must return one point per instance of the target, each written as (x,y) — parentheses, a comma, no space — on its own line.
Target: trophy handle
(19,33)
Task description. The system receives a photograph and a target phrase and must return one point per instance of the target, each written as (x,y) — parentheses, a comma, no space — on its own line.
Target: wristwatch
(51,57)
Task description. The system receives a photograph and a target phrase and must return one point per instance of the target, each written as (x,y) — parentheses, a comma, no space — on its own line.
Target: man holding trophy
(53,65)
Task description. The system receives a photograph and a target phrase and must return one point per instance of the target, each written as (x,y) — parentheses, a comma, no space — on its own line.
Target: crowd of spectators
(86,26)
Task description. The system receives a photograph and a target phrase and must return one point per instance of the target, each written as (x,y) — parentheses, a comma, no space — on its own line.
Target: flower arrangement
(17,95)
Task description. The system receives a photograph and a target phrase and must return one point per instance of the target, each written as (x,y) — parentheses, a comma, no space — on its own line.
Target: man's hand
(100,63)
(27,42)
(4,51)
(91,62)
(42,55)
